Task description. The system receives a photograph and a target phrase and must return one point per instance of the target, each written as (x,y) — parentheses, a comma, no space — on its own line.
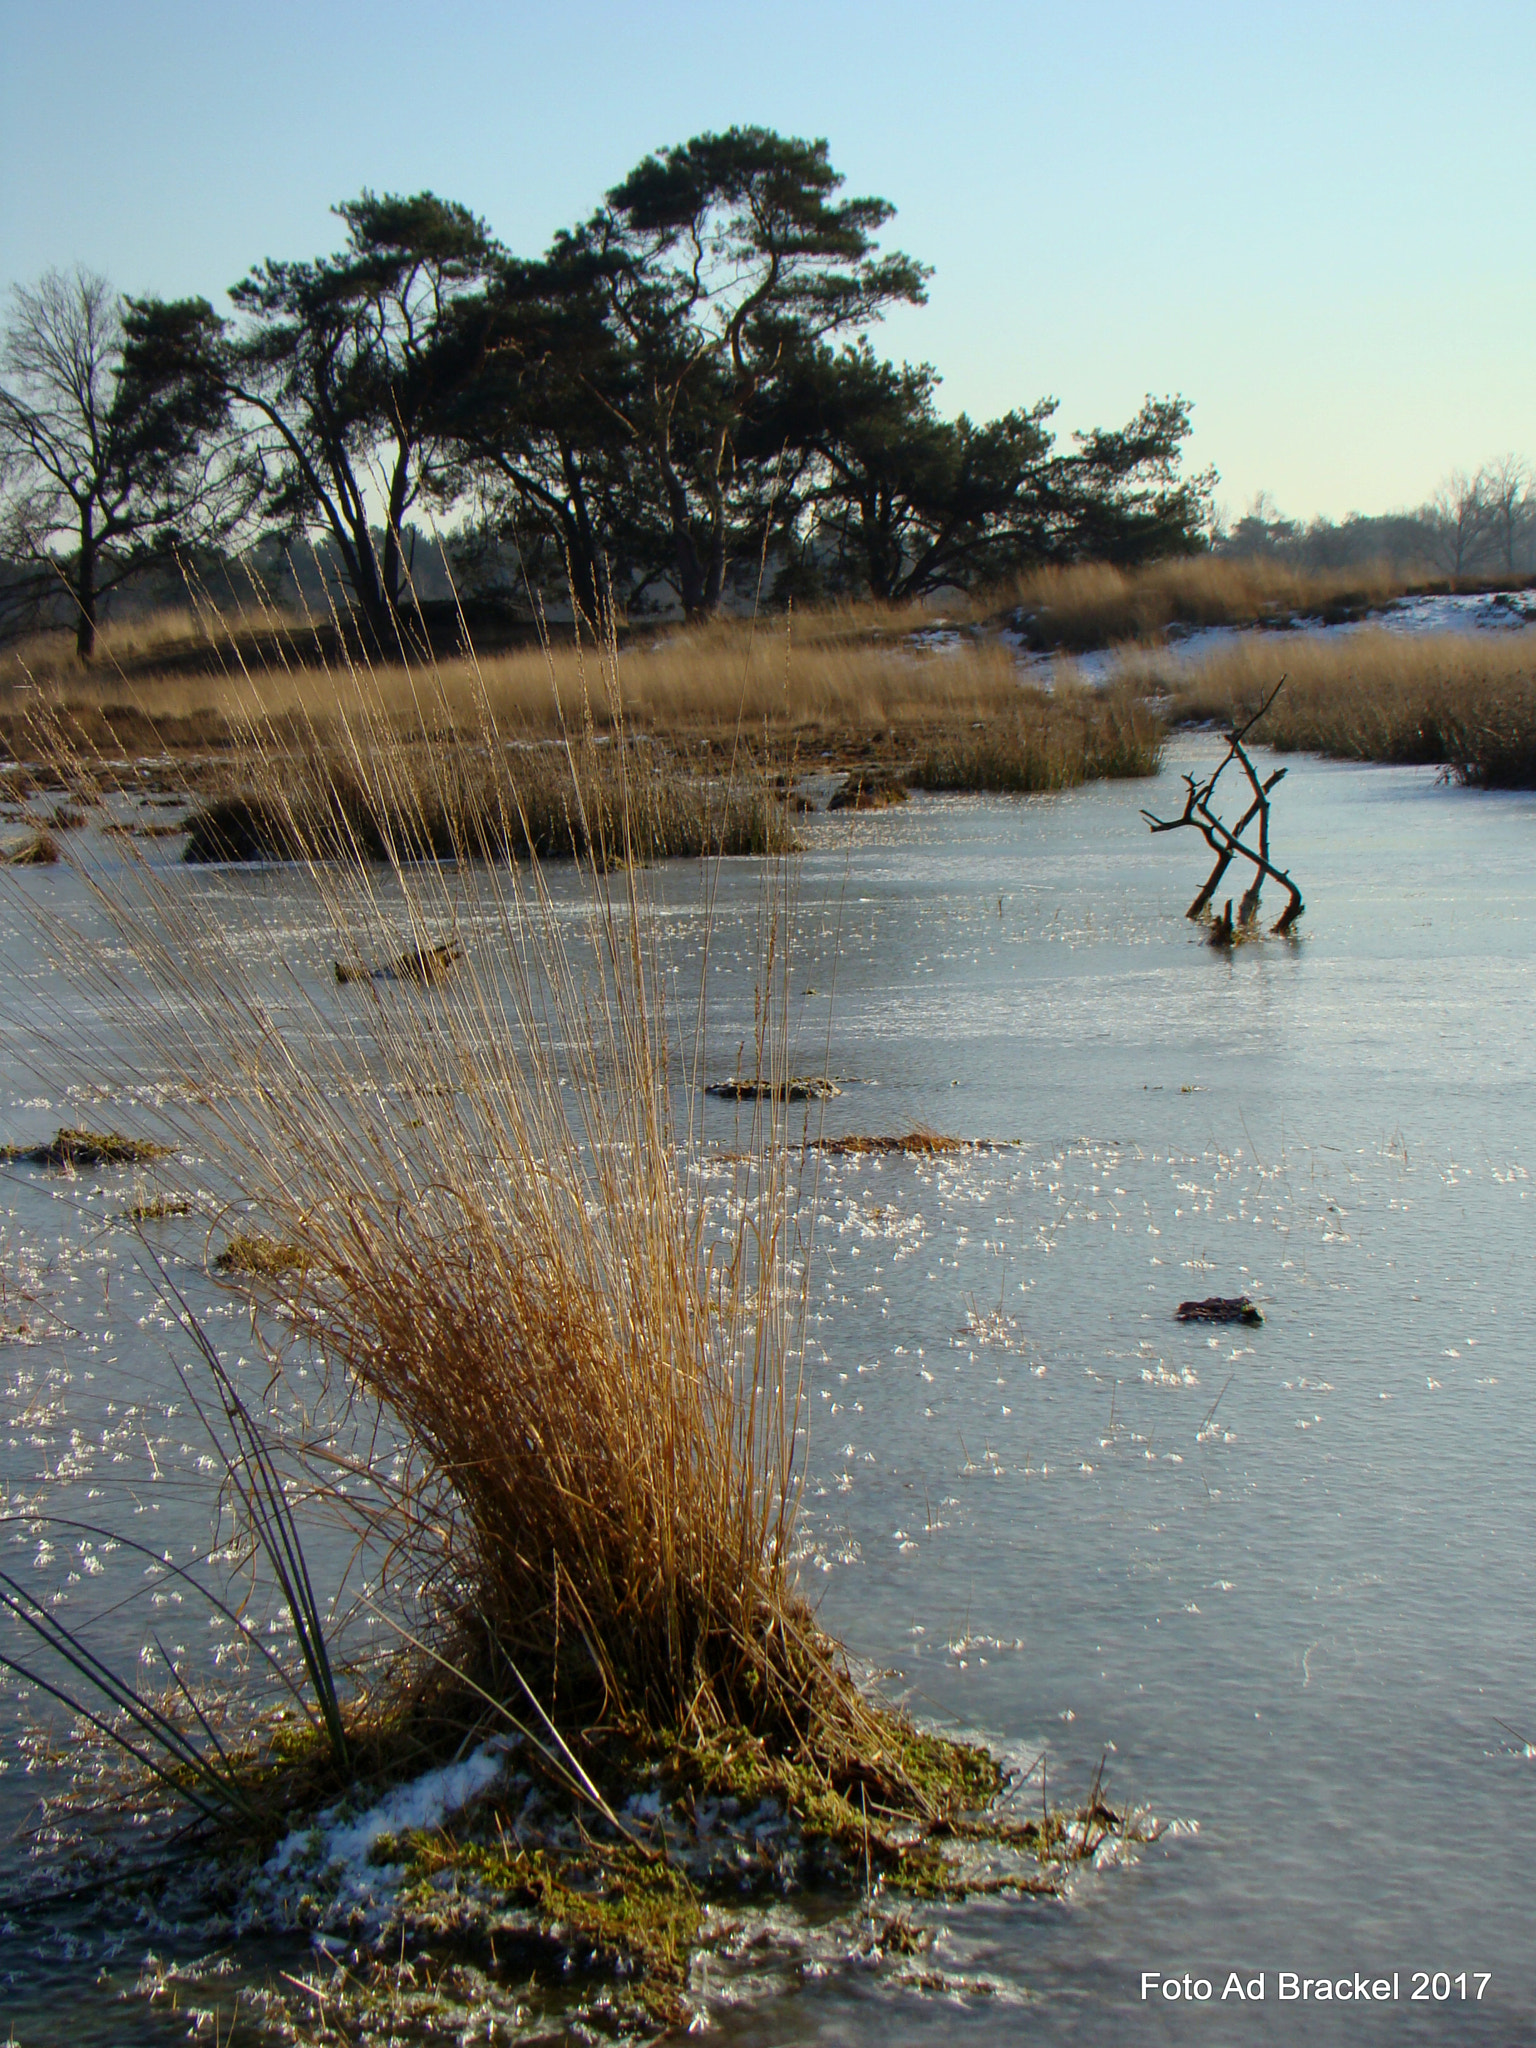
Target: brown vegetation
(1463,701)
(479,1208)
(191,639)
(39,850)
(254,1255)
(842,687)
(1048,740)
(1093,604)
(919,1144)
(844,671)
(608,803)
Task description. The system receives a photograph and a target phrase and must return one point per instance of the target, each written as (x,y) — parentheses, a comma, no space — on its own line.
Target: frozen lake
(1281,1576)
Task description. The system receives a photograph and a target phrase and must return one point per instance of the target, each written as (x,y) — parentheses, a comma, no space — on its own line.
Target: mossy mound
(516,1895)
(259,1257)
(920,1144)
(797,1088)
(156,1208)
(72,1148)
(700,1830)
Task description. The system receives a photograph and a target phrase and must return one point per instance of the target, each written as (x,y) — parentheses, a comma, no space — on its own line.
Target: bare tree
(1505,486)
(113,442)
(1459,522)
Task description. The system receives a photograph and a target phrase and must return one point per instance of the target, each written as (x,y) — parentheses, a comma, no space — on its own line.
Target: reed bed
(1465,702)
(1049,741)
(199,640)
(722,681)
(601,803)
(1094,604)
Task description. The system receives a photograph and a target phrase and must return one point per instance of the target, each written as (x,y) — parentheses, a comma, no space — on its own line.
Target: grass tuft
(495,1212)
(1052,741)
(599,804)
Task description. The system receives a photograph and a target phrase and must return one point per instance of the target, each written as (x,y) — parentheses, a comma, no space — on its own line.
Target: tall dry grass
(678,670)
(1049,741)
(1093,604)
(602,803)
(719,682)
(200,639)
(1463,701)
(500,1238)
(174,638)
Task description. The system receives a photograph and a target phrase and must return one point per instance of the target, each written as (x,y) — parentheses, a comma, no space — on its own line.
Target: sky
(1313,221)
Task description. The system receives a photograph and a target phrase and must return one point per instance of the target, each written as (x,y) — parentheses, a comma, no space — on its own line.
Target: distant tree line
(1477,525)
(677,404)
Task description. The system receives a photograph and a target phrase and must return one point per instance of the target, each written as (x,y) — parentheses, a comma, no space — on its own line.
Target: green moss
(610,1898)
(264,1258)
(950,1775)
(901,1772)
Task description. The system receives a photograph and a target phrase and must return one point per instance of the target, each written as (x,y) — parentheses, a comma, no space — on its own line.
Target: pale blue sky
(1315,221)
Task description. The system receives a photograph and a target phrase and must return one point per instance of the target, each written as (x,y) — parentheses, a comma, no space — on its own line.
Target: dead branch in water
(1226,841)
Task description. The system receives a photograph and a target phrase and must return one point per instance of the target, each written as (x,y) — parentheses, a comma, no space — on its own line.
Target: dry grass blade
(199,1589)
(1095,604)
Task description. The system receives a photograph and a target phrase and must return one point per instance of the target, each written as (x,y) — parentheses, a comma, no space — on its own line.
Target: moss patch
(72,1148)
(798,1088)
(260,1257)
(632,1911)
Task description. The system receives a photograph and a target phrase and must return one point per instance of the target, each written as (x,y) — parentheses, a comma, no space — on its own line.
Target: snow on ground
(1488,612)
(340,1847)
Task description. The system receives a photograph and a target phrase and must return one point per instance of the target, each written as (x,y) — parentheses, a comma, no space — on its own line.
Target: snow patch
(340,1847)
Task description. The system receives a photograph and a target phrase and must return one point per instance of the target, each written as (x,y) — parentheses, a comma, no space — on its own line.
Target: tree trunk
(399,498)
(691,581)
(588,571)
(374,612)
(85,589)
(882,553)
(714,585)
